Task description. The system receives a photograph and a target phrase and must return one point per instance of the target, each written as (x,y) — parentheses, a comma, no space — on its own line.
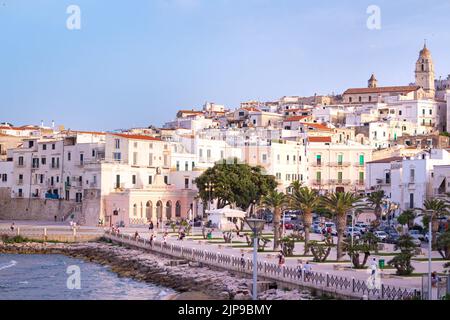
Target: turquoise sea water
(45,277)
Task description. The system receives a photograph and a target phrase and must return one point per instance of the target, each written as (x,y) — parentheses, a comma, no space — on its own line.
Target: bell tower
(373,82)
(425,72)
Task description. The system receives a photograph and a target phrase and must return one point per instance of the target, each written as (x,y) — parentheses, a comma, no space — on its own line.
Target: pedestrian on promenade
(373,266)
(56,218)
(434,279)
(300,269)
(242,262)
(165,237)
(136,236)
(281,259)
(308,270)
(152,237)
(12,226)
(151,226)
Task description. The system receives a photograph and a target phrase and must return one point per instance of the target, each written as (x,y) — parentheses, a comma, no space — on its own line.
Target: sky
(135,63)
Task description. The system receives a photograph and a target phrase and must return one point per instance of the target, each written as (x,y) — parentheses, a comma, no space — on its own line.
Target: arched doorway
(169,210)
(149,211)
(178,209)
(159,208)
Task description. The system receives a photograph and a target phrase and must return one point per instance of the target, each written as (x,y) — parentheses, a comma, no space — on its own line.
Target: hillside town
(366,139)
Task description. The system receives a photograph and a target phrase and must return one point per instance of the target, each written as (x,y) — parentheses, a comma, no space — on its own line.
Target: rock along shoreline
(191,280)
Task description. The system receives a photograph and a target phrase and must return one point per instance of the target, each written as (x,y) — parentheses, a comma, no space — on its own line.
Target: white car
(349,231)
(364,227)
(381,235)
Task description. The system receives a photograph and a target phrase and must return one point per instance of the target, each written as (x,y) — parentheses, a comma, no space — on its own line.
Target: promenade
(340,274)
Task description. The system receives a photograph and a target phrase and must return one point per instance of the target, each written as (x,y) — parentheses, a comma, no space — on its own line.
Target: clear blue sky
(134,63)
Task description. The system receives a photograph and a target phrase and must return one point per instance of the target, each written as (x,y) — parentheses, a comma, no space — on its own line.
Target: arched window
(169,210)
(178,210)
(148,211)
(159,208)
(135,210)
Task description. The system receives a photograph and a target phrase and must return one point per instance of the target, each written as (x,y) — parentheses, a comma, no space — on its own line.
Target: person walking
(300,269)
(281,259)
(307,270)
(151,240)
(242,262)
(151,226)
(12,226)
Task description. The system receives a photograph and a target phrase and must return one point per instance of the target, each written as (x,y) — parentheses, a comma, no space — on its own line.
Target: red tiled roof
(386,160)
(296,118)
(135,137)
(251,109)
(400,89)
(318,126)
(319,139)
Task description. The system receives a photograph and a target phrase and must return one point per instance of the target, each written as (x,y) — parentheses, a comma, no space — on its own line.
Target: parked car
(329,225)
(316,228)
(417,242)
(350,230)
(381,235)
(268,217)
(416,235)
(364,227)
(289,226)
(392,238)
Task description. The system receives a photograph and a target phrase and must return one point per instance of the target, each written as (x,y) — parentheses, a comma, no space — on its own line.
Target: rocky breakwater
(191,280)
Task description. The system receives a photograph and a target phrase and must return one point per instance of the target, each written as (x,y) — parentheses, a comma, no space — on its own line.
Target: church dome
(425,53)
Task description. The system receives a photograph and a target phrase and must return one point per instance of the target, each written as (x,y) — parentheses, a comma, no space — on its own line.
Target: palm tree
(340,203)
(435,208)
(407,217)
(375,200)
(307,200)
(276,201)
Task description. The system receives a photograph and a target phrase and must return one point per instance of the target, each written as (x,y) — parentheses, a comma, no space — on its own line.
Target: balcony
(340,182)
(19,182)
(383,182)
(317,164)
(359,164)
(340,164)
(18,164)
(54,166)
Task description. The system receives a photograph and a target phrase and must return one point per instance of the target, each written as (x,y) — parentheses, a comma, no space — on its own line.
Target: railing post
(353,284)
(382,291)
(328,280)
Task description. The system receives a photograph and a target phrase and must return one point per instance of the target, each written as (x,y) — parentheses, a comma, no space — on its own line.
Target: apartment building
(337,167)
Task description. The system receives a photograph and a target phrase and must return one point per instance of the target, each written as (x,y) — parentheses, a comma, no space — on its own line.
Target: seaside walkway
(349,287)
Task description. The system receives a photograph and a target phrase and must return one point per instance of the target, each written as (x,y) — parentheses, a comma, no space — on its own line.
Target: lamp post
(430,244)
(209,187)
(256,225)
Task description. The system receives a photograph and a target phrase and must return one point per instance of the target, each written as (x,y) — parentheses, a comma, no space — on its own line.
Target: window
(319,177)
(133,179)
(135,158)
(339,177)
(117,156)
(69,156)
(200,153)
(166,179)
(117,181)
(193,165)
(4,177)
(150,159)
(150,180)
(431,112)
(135,145)
(340,159)
(20,193)
(388,177)
(151,145)
(186,166)
(264,157)
(53,146)
(361,160)
(186,183)
(361,178)
(400,112)
(178,165)
(44,147)
(117,143)
(208,154)
(319,160)
(221,154)
(21,162)
(412,173)
(166,160)
(81,158)
(93,153)
(411,200)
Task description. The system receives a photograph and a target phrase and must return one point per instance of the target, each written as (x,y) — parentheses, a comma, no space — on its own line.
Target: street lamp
(430,244)
(256,225)
(209,187)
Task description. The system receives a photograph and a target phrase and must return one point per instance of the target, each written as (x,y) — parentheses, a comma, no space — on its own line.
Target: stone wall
(32,209)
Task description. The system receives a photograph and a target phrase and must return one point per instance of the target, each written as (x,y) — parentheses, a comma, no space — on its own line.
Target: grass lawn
(385,254)
(432,259)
